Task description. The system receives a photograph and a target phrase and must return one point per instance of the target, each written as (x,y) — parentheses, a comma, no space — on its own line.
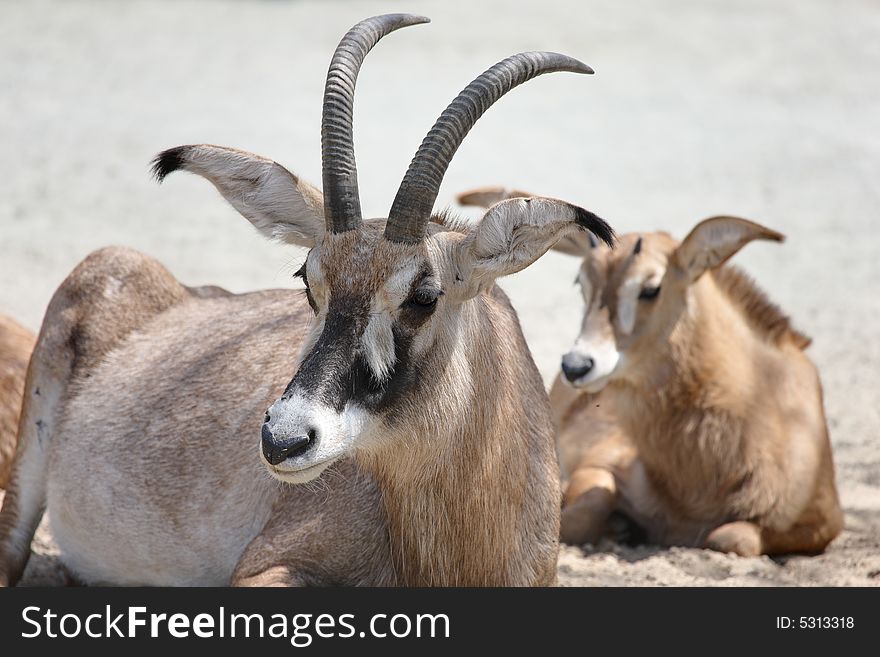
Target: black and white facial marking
(616,288)
(620,290)
(594,355)
(360,362)
(636,288)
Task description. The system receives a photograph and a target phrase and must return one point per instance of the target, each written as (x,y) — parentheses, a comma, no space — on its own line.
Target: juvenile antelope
(687,401)
(413,396)
(16,344)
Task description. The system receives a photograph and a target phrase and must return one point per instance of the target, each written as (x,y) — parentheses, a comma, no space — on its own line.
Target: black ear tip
(637,249)
(596,225)
(168,161)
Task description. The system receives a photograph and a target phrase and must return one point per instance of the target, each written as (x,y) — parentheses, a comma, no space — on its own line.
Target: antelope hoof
(585,520)
(742,538)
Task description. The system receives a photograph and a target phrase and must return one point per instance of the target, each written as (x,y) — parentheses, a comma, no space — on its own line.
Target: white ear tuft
(516,232)
(574,243)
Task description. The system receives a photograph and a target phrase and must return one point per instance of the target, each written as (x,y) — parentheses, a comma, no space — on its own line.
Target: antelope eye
(425,297)
(301,273)
(649,293)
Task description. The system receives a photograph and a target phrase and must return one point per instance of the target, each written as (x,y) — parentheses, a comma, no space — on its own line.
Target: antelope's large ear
(576,243)
(280,205)
(485,197)
(713,241)
(516,232)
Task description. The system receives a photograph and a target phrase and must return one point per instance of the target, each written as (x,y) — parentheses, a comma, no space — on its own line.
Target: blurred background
(767,110)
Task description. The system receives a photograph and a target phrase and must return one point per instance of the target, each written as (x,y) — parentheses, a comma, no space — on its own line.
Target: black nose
(574,366)
(277,450)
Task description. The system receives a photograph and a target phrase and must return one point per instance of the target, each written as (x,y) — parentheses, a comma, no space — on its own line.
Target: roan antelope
(413,397)
(16,344)
(687,402)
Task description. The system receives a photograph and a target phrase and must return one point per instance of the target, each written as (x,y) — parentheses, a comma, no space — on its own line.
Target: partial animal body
(16,344)
(152,439)
(414,443)
(687,401)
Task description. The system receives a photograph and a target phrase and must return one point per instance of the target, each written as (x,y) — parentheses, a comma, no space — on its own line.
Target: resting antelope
(16,344)
(413,397)
(687,401)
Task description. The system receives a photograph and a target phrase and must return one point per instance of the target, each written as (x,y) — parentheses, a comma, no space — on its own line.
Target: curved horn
(415,198)
(342,205)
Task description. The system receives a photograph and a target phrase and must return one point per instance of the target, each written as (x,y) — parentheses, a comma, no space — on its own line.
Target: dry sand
(766,110)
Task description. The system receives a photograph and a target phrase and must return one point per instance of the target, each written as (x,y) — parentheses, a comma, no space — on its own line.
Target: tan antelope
(414,406)
(16,344)
(687,402)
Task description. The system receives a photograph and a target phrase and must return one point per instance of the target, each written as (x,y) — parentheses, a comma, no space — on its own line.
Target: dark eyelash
(415,302)
(301,273)
(649,293)
(311,300)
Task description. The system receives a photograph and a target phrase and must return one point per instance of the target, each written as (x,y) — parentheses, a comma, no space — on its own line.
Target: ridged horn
(415,198)
(342,205)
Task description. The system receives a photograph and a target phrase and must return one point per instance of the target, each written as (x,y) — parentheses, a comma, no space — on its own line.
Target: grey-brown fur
(156,394)
(160,410)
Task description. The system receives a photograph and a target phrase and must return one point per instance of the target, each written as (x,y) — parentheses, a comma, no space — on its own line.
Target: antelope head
(635,293)
(388,294)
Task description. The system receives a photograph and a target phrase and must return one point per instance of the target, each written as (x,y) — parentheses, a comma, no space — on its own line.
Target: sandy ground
(766,110)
